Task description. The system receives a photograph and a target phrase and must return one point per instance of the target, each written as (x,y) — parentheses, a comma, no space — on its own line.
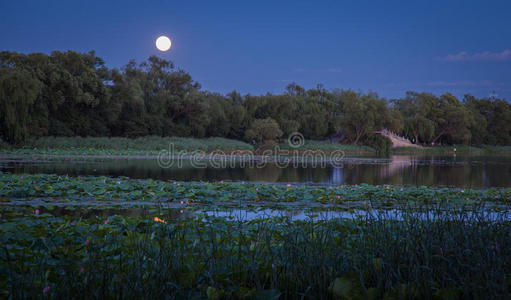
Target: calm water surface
(451,171)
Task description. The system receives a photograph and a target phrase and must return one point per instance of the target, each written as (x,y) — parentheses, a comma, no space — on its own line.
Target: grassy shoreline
(450,150)
(152,146)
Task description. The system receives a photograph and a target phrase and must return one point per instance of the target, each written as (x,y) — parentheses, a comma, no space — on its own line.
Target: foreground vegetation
(75,94)
(443,243)
(468,256)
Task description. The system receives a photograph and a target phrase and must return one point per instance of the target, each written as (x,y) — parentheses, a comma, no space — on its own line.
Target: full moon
(163,43)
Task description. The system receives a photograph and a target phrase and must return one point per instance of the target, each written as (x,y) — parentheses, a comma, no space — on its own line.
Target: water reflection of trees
(400,170)
(424,171)
(269,173)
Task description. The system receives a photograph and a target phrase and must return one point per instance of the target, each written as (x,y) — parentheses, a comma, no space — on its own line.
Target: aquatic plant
(53,188)
(205,257)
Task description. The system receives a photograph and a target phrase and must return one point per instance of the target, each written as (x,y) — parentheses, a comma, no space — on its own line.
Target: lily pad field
(103,237)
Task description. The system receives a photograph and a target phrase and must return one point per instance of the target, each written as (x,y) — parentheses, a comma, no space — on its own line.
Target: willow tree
(451,118)
(362,114)
(18,91)
(265,132)
(419,128)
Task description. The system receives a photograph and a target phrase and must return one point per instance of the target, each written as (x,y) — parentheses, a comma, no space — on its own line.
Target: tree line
(75,94)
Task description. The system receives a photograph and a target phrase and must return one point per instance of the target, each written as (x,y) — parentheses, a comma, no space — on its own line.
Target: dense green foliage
(74,94)
(18,91)
(264,131)
(381,144)
(263,259)
(453,253)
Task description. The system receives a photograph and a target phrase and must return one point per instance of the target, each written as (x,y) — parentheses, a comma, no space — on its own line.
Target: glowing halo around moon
(163,43)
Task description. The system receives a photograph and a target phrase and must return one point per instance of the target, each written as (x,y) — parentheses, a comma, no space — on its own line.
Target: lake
(442,171)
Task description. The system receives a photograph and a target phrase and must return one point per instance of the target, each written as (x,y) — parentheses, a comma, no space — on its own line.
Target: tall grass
(496,149)
(329,147)
(149,144)
(449,150)
(467,256)
(154,144)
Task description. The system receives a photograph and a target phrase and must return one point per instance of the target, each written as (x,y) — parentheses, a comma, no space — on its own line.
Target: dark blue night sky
(255,47)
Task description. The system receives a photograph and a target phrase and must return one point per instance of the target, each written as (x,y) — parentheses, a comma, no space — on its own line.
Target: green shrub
(382,144)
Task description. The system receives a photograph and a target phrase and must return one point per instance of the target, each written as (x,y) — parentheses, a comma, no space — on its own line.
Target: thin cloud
(464,56)
(327,70)
(334,70)
(468,83)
